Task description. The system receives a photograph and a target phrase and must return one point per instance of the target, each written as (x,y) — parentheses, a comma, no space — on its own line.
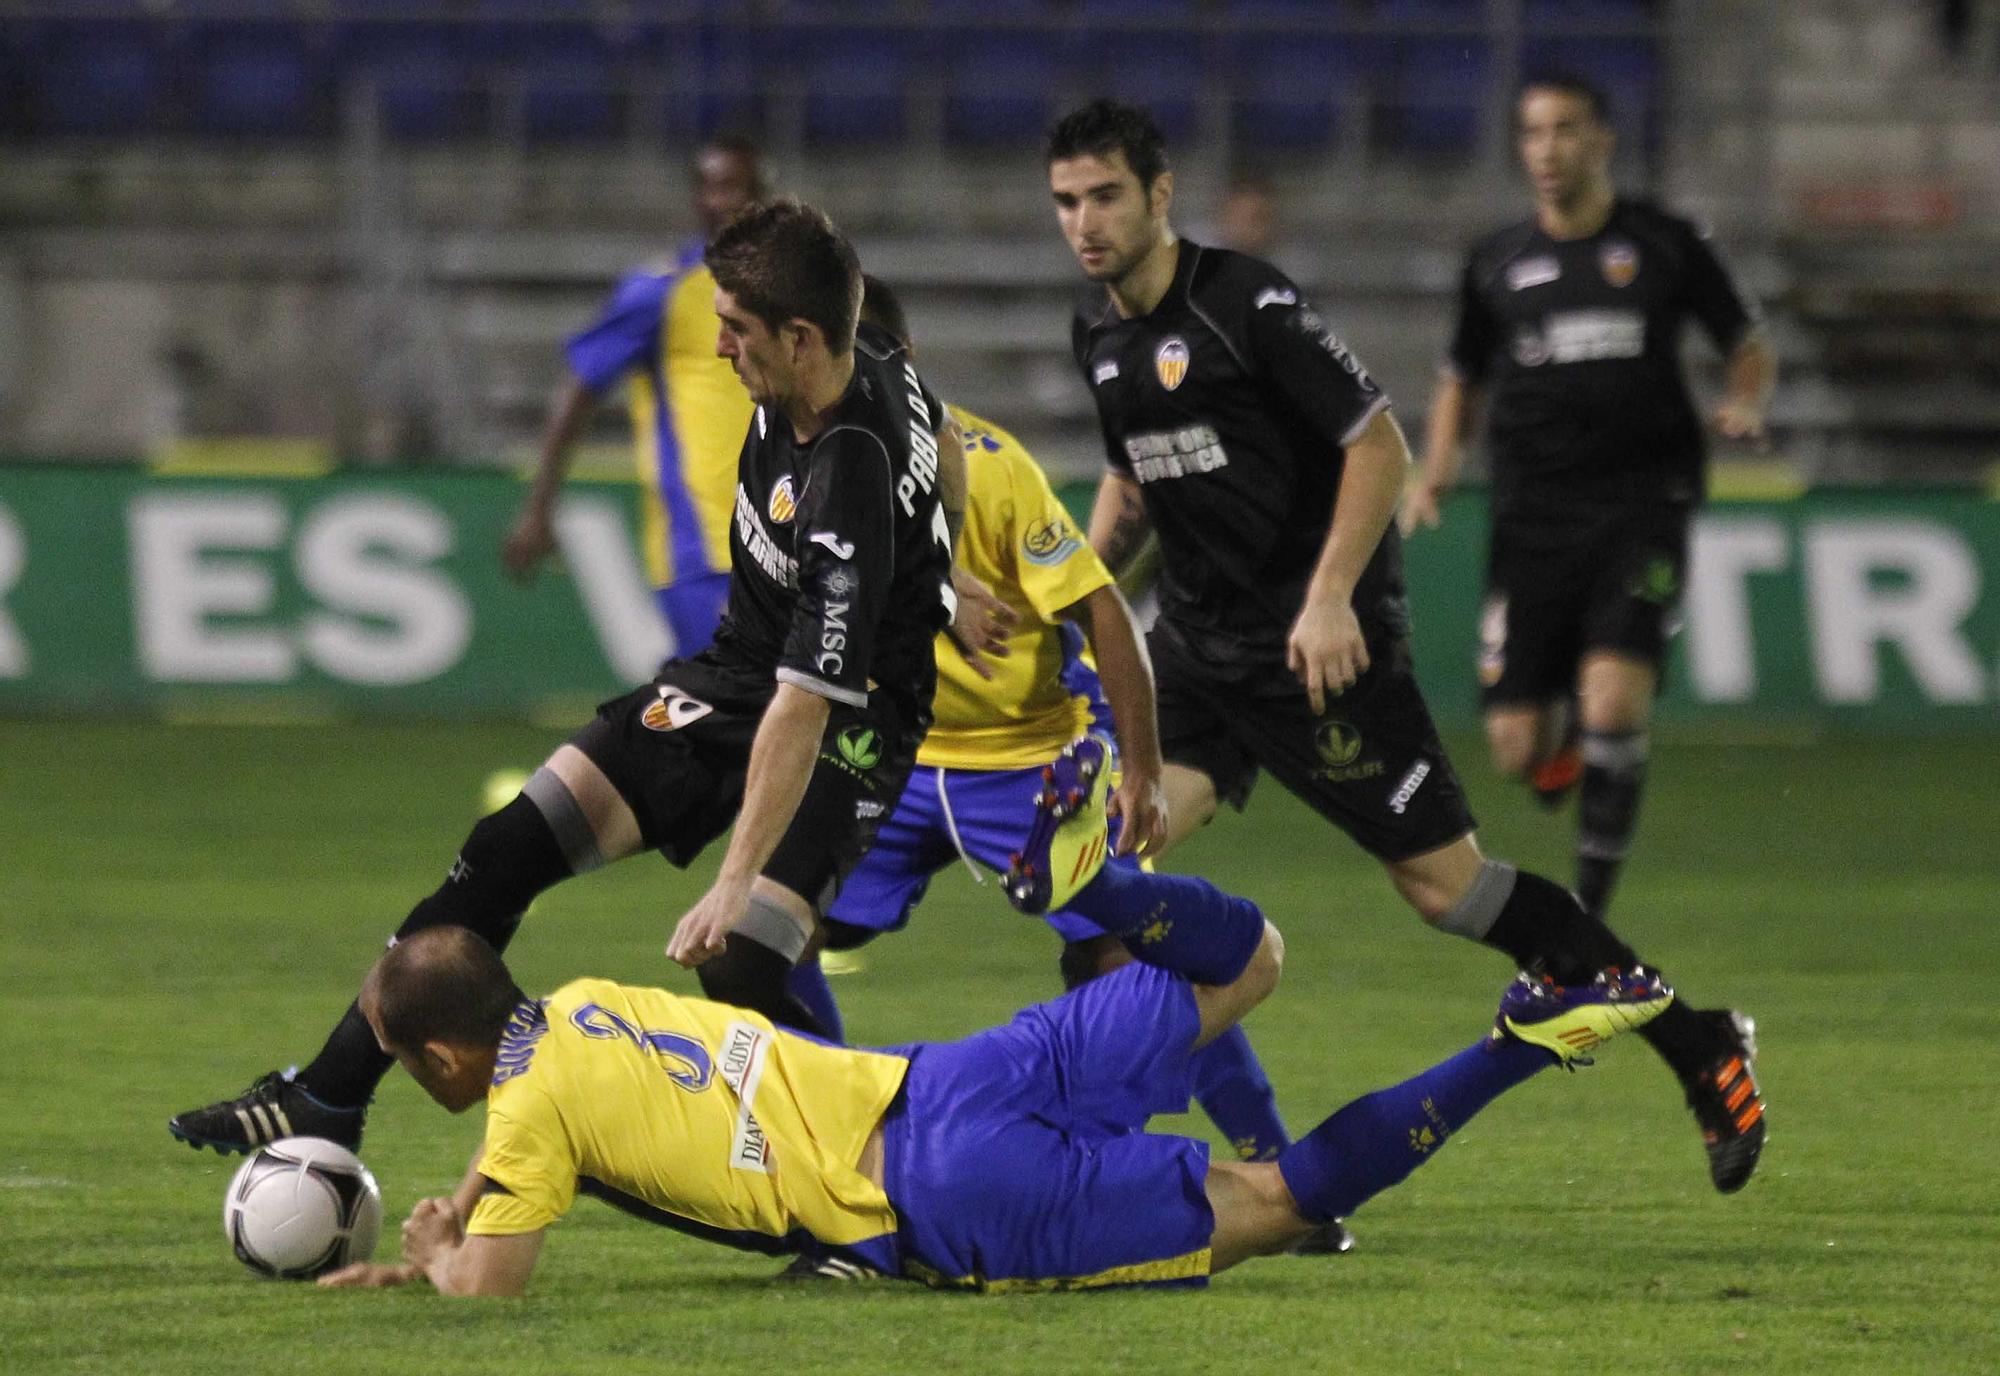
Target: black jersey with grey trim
(1577,344)
(1231,403)
(840,561)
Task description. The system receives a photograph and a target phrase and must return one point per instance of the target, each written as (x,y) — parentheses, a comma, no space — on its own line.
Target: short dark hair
(785,260)
(1570,84)
(443,984)
(880,307)
(1110,126)
(736,146)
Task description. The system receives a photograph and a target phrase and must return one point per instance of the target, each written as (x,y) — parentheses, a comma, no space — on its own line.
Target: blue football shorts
(1016,1158)
(990,810)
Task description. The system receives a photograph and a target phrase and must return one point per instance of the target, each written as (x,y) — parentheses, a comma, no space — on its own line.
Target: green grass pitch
(183,908)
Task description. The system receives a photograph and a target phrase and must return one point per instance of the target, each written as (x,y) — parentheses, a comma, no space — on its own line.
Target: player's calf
(754,970)
(1377,1140)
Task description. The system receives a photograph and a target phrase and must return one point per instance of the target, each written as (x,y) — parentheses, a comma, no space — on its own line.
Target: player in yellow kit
(688,411)
(1009,1160)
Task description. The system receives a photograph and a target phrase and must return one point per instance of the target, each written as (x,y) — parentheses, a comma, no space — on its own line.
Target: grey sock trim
(560,809)
(1621,750)
(1474,915)
(769,925)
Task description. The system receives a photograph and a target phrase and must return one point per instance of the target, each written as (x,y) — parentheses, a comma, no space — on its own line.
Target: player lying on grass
(1011,1160)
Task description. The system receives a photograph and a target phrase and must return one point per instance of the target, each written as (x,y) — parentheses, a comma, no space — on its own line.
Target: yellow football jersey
(1020,541)
(697,1109)
(695,444)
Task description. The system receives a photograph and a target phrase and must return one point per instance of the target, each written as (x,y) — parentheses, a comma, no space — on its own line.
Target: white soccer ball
(300,1207)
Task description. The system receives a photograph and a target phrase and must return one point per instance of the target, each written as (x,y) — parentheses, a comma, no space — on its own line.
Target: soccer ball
(301,1207)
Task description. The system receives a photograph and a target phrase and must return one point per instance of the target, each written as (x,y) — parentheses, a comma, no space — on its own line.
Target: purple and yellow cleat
(1070,835)
(1572,1020)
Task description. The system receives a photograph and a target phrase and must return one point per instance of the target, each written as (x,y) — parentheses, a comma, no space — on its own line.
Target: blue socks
(1377,1140)
(808,985)
(1175,921)
(1231,1087)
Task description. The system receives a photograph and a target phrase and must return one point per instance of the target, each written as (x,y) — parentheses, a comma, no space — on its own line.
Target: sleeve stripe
(799,679)
(1375,408)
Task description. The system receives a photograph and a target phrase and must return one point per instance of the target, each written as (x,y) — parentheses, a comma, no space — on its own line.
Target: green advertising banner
(362,594)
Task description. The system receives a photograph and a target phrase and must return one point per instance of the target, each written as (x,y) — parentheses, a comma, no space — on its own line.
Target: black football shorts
(678,749)
(1554,595)
(1371,763)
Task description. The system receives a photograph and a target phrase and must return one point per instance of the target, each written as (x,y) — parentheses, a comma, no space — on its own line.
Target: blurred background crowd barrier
(328,249)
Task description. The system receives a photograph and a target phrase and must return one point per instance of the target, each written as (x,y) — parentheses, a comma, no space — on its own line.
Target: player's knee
(1083,961)
(1511,745)
(1433,884)
(1260,977)
(1615,711)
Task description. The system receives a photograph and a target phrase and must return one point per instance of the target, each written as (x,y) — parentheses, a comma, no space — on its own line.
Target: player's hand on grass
(1743,422)
(703,930)
(1326,649)
(532,539)
(1422,506)
(369,1275)
(1142,802)
(432,1229)
(981,623)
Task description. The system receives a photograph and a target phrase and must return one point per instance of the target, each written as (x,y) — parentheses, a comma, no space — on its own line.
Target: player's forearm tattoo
(1128,532)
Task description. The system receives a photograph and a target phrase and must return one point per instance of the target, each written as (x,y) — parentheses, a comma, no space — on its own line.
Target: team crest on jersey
(674,710)
(1049,542)
(1619,262)
(782,506)
(1170,361)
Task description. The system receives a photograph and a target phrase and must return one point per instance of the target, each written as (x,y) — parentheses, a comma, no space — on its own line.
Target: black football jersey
(840,559)
(1231,404)
(1577,343)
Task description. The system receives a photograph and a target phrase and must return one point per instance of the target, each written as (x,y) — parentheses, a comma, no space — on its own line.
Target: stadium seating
(1166,69)
(850,78)
(420,71)
(1000,84)
(837,73)
(555,76)
(1442,76)
(96,76)
(1291,90)
(256,77)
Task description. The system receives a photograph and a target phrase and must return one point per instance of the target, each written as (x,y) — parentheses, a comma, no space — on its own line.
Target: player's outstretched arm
(1127,675)
(781,764)
(1326,648)
(532,537)
(1453,404)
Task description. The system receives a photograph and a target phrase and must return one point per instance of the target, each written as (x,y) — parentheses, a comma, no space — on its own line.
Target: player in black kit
(1242,430)
(1571,322)
(800,723)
